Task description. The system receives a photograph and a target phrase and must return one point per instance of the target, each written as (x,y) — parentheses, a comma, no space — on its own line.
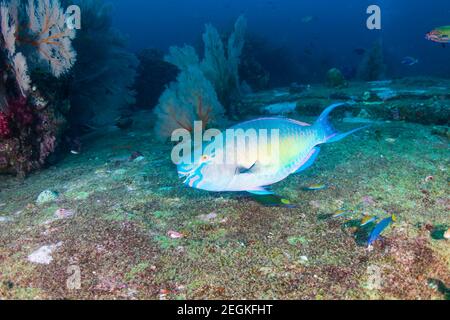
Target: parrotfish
(379,228)
(298,146)
(439,35)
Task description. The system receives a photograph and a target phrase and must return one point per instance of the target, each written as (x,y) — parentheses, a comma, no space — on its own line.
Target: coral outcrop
(372,66)
(335,79)
(31,122)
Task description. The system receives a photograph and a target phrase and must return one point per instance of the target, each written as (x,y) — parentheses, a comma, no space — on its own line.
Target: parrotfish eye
(204,158)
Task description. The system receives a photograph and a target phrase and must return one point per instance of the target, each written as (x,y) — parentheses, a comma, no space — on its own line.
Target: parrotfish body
(298,147)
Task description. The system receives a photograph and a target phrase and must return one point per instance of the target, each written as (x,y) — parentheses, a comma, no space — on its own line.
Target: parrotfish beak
(192,173)
(185,170)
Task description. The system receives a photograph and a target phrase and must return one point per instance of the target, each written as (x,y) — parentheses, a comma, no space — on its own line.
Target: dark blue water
(337,29)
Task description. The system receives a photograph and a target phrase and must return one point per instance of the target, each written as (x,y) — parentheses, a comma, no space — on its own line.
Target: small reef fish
(298,146)
(367,219)
(281,108)
(379,228)
(439,35)
(410,61)
(315,187)
(340,213)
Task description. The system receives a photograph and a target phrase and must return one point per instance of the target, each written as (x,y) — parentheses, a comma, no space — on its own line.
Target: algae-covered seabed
(118,238)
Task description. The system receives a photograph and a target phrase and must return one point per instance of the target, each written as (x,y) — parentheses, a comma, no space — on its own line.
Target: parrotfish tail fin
(330,133)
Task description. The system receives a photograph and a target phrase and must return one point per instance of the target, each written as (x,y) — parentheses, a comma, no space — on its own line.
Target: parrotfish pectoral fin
(331,134)
(246,170)
(309,161)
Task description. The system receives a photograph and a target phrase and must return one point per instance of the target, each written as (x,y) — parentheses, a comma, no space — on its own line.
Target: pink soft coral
(20,113)
(5,130)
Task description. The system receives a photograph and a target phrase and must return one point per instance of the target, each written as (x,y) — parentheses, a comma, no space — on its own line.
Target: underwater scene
(225,150)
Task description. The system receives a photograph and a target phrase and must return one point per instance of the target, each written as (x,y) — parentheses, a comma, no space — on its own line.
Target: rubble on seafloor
(425,101)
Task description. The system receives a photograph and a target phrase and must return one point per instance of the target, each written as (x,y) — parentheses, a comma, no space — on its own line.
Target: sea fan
(182,57)
(219,65)
(52,37)
(21,72)
(191,98)
(9,19)
(9,24)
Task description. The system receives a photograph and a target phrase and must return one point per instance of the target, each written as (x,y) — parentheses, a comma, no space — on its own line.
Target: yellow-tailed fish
(298,147)
(367,219)
(315,187)
(340,213)
(439,35)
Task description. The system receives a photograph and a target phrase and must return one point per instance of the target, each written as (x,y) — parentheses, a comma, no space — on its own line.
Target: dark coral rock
(153,75)
(372,66)
(335,79)
(32,136)
(124,123)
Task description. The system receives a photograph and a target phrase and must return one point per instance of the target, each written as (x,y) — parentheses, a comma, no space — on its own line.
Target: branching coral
(50,34)
(191,98)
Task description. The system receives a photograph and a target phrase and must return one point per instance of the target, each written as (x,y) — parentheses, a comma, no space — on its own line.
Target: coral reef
(335,79)
(153,74)
(31,123)
(103,76)
(29,138)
